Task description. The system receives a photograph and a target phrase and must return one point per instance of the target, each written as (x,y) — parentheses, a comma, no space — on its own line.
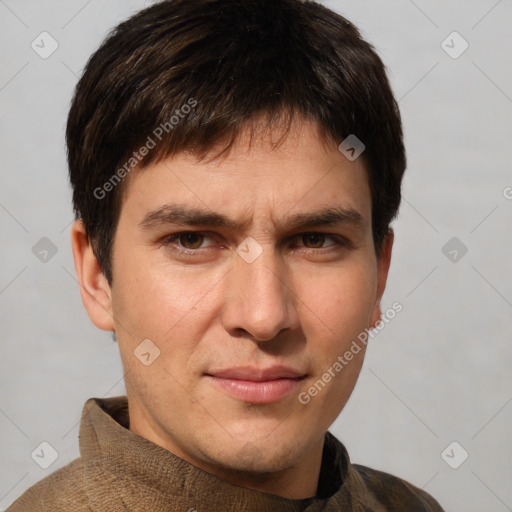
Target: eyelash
(169,241)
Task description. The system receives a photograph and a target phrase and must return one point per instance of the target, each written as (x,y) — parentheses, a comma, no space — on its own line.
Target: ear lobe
(383,263)
(94,288)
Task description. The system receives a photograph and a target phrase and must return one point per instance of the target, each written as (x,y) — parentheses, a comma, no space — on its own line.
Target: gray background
(436,374)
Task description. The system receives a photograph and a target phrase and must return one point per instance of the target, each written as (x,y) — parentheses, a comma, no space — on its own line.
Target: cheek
(162,305)
(340,304)
(154,300)
(338,309)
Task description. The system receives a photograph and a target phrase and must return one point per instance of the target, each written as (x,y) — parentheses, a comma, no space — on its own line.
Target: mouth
(255,385)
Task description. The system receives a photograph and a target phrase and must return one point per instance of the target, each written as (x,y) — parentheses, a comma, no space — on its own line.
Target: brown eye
(191,240)
(316,240)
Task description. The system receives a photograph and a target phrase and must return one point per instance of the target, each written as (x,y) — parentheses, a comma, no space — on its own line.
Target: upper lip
(257,374)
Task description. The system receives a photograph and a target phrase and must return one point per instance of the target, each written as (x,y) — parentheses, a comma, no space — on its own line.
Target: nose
(259,298)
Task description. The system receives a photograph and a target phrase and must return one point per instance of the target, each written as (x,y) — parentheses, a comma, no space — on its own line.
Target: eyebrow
(175,214)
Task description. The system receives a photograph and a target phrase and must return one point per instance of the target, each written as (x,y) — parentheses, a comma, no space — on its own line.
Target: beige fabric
(119,470)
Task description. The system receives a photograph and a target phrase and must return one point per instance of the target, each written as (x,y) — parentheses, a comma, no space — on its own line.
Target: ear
(383,262)
(94,288)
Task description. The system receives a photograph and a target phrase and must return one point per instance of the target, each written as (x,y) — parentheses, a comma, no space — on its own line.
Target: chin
(260,457)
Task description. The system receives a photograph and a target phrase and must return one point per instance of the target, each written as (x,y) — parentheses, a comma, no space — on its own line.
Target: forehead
(273,173)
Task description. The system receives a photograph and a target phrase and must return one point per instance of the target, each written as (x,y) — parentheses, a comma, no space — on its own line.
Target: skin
(301,303)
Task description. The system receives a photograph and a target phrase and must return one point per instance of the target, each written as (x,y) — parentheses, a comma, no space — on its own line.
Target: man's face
(270,290)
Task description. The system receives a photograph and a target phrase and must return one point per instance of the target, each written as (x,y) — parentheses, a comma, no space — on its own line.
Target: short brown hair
(196,72)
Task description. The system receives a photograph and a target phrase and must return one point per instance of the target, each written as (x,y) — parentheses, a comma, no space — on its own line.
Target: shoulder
(395,494)
(61,491)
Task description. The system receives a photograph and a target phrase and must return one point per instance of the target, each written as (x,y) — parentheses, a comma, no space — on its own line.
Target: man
(235,169)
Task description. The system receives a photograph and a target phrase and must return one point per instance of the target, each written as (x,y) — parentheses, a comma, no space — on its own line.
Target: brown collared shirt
(120,471)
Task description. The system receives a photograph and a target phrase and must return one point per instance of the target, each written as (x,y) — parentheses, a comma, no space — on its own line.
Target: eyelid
(168,240)
(339,241)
